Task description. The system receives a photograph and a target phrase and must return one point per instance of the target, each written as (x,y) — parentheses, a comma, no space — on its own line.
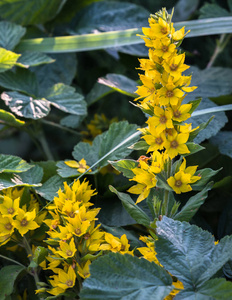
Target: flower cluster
(161,95)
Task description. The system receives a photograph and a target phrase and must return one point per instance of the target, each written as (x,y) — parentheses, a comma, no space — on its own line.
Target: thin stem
(60,127)
(221,44)
(44,144)
(166,193)
(12,260)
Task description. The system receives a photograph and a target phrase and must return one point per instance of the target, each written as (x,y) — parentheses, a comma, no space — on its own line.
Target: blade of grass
(110,39)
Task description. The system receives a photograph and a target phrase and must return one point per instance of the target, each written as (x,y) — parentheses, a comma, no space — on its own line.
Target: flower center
(69,253)
(78,231)
(174,144)
(169,94)
(158,140)
(71,214)
(177,114)
(178,183)
(174,67)
(164,30)
(163,119)
(24,222)
(8,226)
(10,210)
(69,282)
(164,48)
(86,236)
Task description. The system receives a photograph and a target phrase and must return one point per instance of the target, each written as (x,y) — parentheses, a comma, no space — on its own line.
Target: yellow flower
(155,140)
(179,34)
(9,206)
(114,244)
(180,182)
(176,144)
(164,48)
(6,226)
(83,269)
(76,226)
(92,239)
(158,30)
(62,281)
(147,90)
(161,120)
(81,166)
(181,112)
(67,250)
(25,221)
(175,66)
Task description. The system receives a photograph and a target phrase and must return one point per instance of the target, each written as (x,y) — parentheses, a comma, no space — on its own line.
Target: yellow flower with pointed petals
(189,170)
(179,34)
(76,226)
(181,112)
(170,93)
(4,239)
(161,120)
(164,48)
(67,250)
(81,166)
(9,206)
(180,182)
(83,269)
(175,66)
(62,281)
(176,144)
(25,221)
(6,226)
(154,140)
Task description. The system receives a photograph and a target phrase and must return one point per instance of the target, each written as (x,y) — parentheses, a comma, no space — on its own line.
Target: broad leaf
(30,12)
(72,121)
(184,9)
(111,145)
(9,119)
(8,276)
(30,178)
(8,59)
(133,210)
(193,148)
(223,140)
(120,83)
(97,92)
(13,164)
(193,204)
(65,171)
(205,175)
(66,99)
(25,106)
(135,279)
(10,34)
(22,80)
(212,10)
(29,59)
(125,166)
(39,256)
(189,253)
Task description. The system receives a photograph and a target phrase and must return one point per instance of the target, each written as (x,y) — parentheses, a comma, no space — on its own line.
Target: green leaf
(212,10)
(10,34)
(184,9)
(66,99)
(162,183)
(125,166)
(110,145)
(8,59)
(65,171)
(120,83)
(22,80)
(9,119)
(13,164)
(30,178)
(193,204)
(50,187)
(25,106)
(8,276)
(30,12)
(135,279)
(39,255)
(29,59)
(72,121)
(213,127)
(133,210)
(111,39)
(97,92)
(193,148)
(205,175)
(63,70)
(202,126)
(140,145)
(223,140)
(189,253)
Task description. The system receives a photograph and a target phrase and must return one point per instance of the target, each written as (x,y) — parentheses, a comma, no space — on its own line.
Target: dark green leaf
(97,92)
(10,34)
(65,171)
(25,106)
(193,204)
(21,80)
(125,166)
(32,178)
(9,119)
(223,140)
(140,145)
(120,83)
(29,59)
(193,148)
(205,175)
(201,127)
(162,183)
(125,277)
(30,12)
(72,121)
(8,59)
(133,210)
(213,10)
(107,144)
(39,255)
(65,98)
(8,276)
(13,164)
(184,9)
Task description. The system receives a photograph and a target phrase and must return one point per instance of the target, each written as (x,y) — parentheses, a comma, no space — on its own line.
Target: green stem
(12,260)
(44,144)
(221,44)
(60,127)
(164,206)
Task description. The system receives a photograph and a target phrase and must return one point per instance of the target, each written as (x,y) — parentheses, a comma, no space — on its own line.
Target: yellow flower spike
(6,226)
(9,206)
(25,221)
(81,166)
(161,120)
(67,250)
(180,182)
(176,144)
